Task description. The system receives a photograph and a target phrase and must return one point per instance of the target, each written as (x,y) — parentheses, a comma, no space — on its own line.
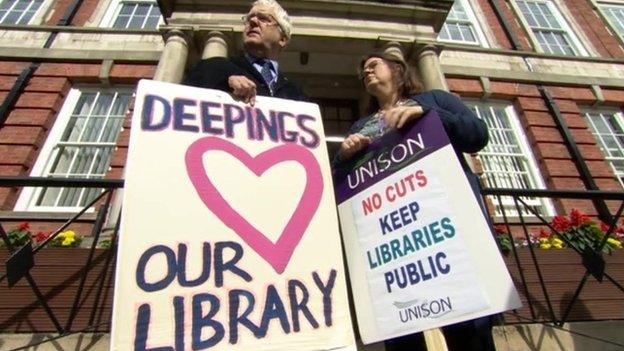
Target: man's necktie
(266,73)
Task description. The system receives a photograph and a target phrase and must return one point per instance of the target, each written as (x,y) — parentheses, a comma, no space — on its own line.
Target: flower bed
(57,273)
(557,248)
(22,234)
(579,232)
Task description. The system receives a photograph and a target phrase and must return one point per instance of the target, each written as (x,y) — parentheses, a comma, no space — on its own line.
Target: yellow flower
(67,234)
(68,241)
(545,246)
(614,243)
(557,243)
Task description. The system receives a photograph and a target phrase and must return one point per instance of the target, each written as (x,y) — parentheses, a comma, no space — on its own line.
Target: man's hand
(351,145)
(243,89)
(398,116)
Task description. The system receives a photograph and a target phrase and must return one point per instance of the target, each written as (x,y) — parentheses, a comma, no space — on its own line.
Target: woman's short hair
(281,16)
(409,82)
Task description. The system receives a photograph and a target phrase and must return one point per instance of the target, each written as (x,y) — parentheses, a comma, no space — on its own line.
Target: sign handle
(435,340)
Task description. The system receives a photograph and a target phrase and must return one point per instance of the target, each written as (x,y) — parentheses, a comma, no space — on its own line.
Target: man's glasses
(263,18)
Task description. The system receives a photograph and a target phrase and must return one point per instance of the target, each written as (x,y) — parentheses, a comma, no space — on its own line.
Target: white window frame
(472,22)
(39,15)
(29,195)
(613,3)
(112,11)
(619,120)
(534,174)
(576,44)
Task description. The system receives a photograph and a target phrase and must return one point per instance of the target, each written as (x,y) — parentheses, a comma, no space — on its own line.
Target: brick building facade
(546,75)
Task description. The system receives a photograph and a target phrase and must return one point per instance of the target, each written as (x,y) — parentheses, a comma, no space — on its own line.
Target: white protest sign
(419,250)
(229,237)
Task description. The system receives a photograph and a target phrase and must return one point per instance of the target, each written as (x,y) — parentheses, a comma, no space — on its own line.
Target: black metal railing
(591,256)
(21,259)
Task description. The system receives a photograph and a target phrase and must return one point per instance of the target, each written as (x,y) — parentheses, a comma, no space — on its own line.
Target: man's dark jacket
(213,73)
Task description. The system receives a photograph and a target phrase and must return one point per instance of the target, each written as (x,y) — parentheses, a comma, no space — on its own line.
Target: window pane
(152,22)
(454,32)
(7,4)
(121,22)
(136,22)
(127,9)
(142,10)
(548,26)
(86,146)
(467,34)
(459,26)
(138,15)
(615,16)
(606,127)
(18,11)
(506,163)
(11,18)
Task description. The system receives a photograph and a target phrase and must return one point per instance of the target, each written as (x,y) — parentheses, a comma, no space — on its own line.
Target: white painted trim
(619,118)
(560,17)
(47,154)
(42,165)
(98,14)
(476,25)
(576,28)
(113,9)
(518,131)
(524,146)
(41,13)
(605,19)
(484,25)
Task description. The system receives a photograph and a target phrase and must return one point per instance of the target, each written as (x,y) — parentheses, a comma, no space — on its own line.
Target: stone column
(173,59)
(429,68)
(432,77)
(215,45)
(393,46)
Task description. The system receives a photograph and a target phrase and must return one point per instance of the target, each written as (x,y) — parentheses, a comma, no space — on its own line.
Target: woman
(396,100)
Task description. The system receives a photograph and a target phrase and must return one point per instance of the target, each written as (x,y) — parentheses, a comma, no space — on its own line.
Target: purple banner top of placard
(388,155)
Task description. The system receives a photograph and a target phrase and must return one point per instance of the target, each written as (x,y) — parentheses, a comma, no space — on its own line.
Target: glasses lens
(261,17)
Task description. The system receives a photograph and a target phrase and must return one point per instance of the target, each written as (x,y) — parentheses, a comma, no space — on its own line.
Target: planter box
(57,273)
(562,272)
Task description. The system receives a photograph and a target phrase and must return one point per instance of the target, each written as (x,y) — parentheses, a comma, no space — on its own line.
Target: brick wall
(494,24)
(554,161)
(595,28)
(29,122)
(85,10)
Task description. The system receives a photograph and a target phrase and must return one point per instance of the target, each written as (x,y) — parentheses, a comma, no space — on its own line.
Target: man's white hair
(281,16)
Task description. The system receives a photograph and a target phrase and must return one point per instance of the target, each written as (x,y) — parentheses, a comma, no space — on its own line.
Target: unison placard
(419,249)
(229,236)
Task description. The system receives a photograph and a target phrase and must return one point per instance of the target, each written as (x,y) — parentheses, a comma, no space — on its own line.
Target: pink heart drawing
(277,255)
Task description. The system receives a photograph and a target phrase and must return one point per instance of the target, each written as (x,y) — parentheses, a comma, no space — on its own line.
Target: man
(256,72)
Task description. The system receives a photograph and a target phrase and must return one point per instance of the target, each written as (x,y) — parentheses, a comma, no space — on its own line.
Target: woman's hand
(351,145)
(398,116)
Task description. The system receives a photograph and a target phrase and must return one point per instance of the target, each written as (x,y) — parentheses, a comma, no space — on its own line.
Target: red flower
(24,226)
(500,229)
(41,236)
(578,218)
(605,227)
(560,223)
(544,234)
